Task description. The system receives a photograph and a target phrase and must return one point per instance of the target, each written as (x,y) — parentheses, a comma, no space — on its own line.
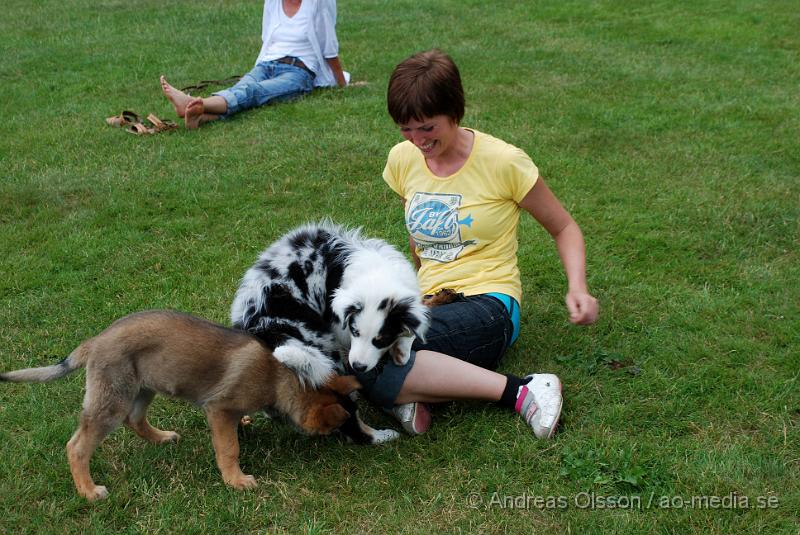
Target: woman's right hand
(583,308)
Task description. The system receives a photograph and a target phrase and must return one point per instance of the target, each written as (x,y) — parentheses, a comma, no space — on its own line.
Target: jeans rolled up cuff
(231,101)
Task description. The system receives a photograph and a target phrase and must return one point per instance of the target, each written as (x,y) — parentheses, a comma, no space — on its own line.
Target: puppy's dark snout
(359,368)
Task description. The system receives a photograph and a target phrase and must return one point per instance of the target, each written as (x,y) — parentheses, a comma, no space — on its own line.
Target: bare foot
(193,112)
(176,97)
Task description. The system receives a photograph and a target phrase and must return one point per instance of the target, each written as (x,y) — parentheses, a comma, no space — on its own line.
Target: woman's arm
(338,73)
(545,208)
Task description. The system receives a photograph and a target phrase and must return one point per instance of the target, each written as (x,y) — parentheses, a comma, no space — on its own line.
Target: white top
(310,35)
(290,38)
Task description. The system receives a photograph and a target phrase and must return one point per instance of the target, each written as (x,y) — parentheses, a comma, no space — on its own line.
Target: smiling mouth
(427,147)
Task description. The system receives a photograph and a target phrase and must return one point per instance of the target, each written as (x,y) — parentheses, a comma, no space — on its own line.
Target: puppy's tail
(76,360)
(313,367)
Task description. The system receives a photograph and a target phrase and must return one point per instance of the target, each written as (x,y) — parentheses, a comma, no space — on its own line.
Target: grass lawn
(671,132)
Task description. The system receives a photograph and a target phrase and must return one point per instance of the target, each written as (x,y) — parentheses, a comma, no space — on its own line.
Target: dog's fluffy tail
(75,361)
(313,367)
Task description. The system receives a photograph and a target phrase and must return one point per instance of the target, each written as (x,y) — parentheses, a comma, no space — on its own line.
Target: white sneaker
(414,417)
(539,402)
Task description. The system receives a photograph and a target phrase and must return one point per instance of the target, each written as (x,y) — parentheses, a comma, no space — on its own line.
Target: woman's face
(433,136)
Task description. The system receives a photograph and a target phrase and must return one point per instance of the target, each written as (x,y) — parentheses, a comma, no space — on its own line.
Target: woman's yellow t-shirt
(465,225)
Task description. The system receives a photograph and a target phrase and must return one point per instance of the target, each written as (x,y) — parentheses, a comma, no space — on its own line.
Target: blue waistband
(513,310)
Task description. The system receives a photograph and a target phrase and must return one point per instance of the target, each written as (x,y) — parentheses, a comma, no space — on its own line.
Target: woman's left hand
(583,308)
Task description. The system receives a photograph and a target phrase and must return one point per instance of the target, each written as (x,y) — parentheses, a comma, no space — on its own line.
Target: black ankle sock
(509,397)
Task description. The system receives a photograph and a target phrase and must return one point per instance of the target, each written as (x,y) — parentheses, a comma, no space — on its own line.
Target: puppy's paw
(98,492)
(166,437)
(381,436)
(243,483)
(401,350)
(399,357)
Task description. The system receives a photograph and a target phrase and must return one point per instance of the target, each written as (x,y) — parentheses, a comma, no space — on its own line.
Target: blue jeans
(269,81)
(477,329)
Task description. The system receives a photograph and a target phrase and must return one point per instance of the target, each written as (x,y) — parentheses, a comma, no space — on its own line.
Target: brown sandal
(139,129)
(123,119)
(158,125)
(161,125)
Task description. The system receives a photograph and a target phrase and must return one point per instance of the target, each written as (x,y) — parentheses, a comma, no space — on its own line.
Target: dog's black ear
(413,316)
(420,322)
(415,333)
(387,304)
(349,315)
(351,311)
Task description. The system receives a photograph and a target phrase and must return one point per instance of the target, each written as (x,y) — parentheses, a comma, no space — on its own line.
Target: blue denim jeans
(477,329)
(268,81)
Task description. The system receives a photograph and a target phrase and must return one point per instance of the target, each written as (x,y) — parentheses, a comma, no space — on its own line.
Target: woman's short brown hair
(424,85)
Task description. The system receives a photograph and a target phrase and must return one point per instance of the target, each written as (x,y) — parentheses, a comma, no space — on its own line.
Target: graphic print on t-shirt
(432,221)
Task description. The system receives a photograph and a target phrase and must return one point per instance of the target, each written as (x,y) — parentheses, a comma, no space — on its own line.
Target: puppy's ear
(415,332)
(343,384)
(321,419)
(423,316)
(350,311)
(344,305)
(413,315)
(333,416)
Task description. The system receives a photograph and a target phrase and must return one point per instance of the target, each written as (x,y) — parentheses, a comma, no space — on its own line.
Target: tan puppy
(227,372)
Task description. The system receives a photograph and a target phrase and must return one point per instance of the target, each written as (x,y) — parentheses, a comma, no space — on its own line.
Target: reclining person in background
(299,51)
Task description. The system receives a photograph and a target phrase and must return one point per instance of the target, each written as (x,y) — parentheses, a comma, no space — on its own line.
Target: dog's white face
(379,327)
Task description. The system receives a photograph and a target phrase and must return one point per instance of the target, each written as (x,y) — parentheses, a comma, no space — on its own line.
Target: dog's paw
(98,492)
(244,482)
(401,350)
(381,436)
(166,437)
(399,357)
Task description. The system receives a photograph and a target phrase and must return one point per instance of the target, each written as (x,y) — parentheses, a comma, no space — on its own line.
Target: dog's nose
(359,368)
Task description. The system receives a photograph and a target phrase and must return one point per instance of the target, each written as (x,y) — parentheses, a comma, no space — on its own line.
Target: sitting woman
(463,193)
(299,52)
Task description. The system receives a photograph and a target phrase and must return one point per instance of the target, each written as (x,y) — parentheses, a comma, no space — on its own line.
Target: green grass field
(670,130)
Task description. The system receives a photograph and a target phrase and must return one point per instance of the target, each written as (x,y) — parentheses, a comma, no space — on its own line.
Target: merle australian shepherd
(327,300)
